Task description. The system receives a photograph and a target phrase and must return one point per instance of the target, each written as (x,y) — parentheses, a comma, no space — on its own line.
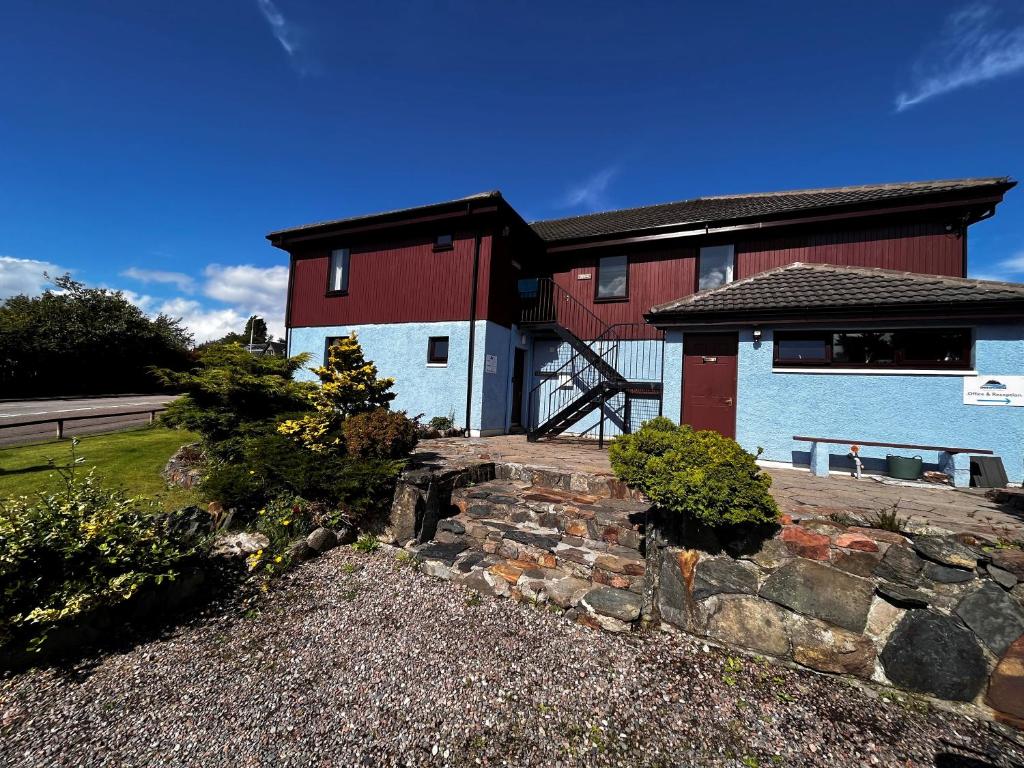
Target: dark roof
(705,210)
(810,287)
(418,209)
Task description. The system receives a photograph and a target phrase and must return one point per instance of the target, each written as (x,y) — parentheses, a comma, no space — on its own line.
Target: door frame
(735,385)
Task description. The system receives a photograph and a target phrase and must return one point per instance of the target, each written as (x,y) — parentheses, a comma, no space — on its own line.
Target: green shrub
(442,423)
(702,476)
(63,555)
(380,434)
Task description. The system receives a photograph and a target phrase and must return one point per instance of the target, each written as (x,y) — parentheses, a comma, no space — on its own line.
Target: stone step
(599,485)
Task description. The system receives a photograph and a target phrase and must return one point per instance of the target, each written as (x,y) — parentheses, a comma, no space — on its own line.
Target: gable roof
(810,288)
(720,208)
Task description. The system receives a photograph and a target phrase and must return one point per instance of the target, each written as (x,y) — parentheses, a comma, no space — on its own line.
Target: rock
(321,540)
(537,540)
(437,569)
(507,570)
(814,546)
(1002,577)
(567,591)
(943,574)
(900,564)
(241,544)
(717,575)
(889,537)
(444,552)
(300,551)
(772,554)
(1006,686)
(477,580)
(406,511)
(946,550)
(994,616)
(882,618)
(822,592)
(905,597)
(749,622)
(616,603)
(674,601)
(934,654)
(621,560)
(1011,560)
(857,563)
(856,541)
(451,525)
(189,522)
(347,534)
(830,649)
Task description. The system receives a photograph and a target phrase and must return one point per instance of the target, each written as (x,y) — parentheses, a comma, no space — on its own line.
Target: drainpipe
(472,331)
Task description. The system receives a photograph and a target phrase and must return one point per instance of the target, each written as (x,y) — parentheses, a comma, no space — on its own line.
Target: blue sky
(149,146)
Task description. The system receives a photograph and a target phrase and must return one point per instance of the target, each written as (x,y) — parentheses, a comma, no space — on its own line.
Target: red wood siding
(398,282)
(917,247)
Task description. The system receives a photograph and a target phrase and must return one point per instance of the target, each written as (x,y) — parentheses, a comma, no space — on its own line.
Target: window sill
(826,371)
(437,365)
(333,294)
(611,300)
(443,248)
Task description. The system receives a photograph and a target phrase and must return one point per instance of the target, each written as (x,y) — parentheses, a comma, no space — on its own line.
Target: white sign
(490,363)
(994,390)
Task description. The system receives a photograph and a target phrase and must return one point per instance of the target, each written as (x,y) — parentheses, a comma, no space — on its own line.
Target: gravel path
(360,660)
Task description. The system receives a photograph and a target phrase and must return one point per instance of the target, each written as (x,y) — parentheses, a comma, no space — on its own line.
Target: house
(841,313)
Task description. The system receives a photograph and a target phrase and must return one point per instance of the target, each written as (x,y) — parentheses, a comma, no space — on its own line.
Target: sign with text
(994,390)
(490,363)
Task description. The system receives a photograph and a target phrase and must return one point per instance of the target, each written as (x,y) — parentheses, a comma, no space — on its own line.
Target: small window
(437,350)
(715,266)
(802,350)
(329,342)
(337,275)
(443,243)
(612,278)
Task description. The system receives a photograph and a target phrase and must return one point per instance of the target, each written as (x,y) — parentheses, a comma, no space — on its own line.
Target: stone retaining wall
(941,615)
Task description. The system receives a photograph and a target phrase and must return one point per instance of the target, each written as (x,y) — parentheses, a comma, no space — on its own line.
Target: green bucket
(904,467)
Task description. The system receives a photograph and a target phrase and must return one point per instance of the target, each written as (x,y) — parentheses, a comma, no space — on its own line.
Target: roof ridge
(920,276)
(980,180)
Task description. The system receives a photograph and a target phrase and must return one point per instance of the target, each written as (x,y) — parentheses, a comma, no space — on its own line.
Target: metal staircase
(608,365)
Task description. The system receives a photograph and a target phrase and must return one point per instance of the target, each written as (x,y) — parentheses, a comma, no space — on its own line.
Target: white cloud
(203,322)
(180,279)
(1014,264)
(18,276)
(591,194)
(289,34)
(250,290)
(971,49)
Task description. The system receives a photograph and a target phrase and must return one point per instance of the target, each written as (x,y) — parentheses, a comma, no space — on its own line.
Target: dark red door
(709,381)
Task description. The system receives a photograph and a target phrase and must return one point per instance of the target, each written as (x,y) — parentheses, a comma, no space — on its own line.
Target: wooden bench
(955,462)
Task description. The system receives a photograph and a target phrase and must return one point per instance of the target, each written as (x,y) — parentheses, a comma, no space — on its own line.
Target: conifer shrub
(700,476)
(380,434)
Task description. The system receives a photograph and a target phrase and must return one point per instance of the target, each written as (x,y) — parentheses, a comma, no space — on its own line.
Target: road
(105,415)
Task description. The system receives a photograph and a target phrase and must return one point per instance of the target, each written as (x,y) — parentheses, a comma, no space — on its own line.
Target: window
(337,274)
(612,278)
(329,342)
(940,348)
(714,267)
(443,243)
(437,350)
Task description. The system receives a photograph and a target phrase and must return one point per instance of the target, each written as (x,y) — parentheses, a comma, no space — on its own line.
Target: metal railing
(545,302)
(60,420)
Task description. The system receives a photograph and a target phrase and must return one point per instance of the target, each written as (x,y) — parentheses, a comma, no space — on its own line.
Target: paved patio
(795,490)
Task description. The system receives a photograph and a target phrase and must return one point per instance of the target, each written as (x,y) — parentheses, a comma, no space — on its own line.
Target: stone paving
(960,510)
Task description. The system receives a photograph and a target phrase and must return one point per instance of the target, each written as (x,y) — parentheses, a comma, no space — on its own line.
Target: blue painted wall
(925,409)
(400,350)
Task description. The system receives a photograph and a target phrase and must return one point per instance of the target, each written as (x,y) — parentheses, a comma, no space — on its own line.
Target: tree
(348,385)
(255,329)
(84,340)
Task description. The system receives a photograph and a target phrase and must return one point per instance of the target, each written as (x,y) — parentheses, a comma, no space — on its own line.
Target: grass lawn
(131,460)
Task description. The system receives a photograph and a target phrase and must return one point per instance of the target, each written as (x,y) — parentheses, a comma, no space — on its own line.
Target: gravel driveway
(359,660)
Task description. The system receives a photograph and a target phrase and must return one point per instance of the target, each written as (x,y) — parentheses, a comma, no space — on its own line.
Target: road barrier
(59,420)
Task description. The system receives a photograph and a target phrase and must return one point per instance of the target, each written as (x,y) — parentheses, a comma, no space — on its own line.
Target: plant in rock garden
(366,543)
(86,547)
(888,519)
(348,386)
(700,475)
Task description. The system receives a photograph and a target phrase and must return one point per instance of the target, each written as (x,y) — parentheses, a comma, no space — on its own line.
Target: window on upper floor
(444,243)
(940,348)
(715,266)
(337,271)
(437,350)
(612,278)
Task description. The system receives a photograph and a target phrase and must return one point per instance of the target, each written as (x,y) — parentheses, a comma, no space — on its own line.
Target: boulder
(717,575)
(1002,577)
(239,544)
(825,593)
(934,654)
(567,591)
(749,622)
(1006,686)
(771,555)
(1011,560)
(857,563)
(321,540)
(905,597)
(946,550)
(346,533)
(994,616)
(829,649)
(300,551)
(814,546)
(900,564)
(406,512)
(943,574)
(674,600)
(616,603)
(856,541)
(443,552)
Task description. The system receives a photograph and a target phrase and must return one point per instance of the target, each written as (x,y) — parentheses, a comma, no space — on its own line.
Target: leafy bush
(232,395)
(348,386)
(380,434)
(65,554)
(442,423)
(702,476)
